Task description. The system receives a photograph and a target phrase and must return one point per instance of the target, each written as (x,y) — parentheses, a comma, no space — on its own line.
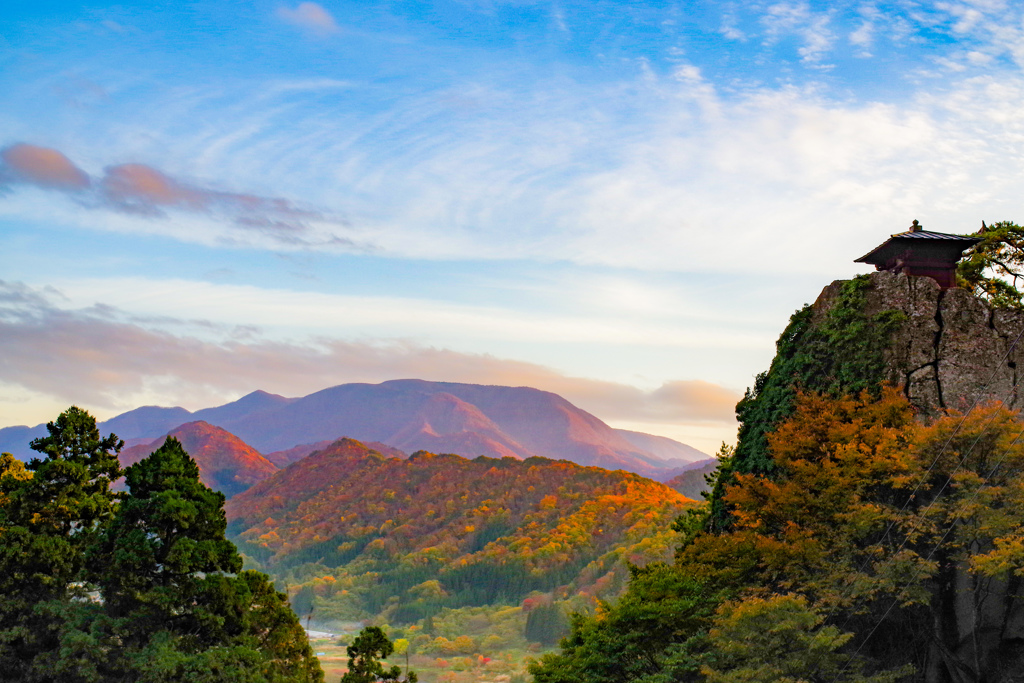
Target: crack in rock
(953,349)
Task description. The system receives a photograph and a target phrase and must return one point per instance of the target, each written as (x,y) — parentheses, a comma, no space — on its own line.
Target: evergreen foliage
(840,353)
(779,638)
(101,587)
(994,267)
(629,642)
(546,624)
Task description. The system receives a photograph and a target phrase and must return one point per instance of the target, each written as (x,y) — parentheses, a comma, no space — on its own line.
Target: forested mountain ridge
(693,481)
(441,530)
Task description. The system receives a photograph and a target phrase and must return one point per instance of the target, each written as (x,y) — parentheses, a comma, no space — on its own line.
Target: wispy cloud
(310,17)
(792,18)
(645,174)
(105,357)
(145,191)
(863,36)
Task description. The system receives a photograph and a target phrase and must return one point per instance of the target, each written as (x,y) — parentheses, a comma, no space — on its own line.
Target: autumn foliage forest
(357,535)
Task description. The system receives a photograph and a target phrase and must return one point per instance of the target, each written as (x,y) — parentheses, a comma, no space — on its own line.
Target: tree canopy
(879,548)
(142,585)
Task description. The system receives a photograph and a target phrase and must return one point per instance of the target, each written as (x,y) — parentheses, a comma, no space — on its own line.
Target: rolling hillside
(410,536)
(691,482)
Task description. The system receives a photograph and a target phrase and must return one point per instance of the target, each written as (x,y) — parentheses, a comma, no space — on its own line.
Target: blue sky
(621,202)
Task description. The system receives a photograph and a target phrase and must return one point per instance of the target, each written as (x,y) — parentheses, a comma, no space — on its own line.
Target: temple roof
(915,236)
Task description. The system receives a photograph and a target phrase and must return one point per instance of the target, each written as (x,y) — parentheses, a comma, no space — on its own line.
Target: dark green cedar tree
(50,513)
(631,640)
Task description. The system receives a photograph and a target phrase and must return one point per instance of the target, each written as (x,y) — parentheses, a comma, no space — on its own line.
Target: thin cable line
(917,572)
(924,477)
(927,509)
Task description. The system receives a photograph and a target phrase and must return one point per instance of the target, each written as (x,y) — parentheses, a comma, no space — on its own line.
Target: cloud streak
(100,356)
(144,191)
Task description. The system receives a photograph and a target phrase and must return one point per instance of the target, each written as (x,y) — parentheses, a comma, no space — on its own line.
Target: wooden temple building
(921,252)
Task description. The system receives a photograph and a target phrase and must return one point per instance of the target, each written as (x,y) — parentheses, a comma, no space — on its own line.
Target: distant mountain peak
(226,463)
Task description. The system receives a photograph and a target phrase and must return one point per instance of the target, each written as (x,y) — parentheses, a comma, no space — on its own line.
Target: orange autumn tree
(905,540)
(911,536)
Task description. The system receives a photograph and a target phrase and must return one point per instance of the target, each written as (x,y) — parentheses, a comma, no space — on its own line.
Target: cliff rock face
(952,350)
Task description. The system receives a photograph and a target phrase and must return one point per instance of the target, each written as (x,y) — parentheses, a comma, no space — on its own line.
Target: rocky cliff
(949,349)
(946,349)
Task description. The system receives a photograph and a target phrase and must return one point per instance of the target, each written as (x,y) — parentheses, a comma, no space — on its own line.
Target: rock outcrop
(951,351)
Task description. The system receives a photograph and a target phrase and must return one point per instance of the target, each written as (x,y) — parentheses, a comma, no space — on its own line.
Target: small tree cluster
(364,655)
(993,269)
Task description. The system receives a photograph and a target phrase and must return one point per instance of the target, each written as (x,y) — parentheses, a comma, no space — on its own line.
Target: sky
(621,202)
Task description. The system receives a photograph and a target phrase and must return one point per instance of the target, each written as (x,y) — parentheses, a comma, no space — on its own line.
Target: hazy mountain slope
(226,463)
(364,411)
(250,406)
(485,529)
(519,420)
(543,422)
(664,448)
(691,483)
(15,440)
(286,457)
(147,421)
(446,424)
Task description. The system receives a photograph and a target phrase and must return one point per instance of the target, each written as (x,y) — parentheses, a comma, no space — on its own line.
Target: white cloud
(279,311)
(863,37)
(646,175)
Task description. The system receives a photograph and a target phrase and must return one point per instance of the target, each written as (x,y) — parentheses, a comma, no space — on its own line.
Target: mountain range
(396,417)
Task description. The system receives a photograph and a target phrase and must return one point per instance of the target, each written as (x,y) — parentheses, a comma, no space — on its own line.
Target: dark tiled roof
(965,240)
(927,235)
